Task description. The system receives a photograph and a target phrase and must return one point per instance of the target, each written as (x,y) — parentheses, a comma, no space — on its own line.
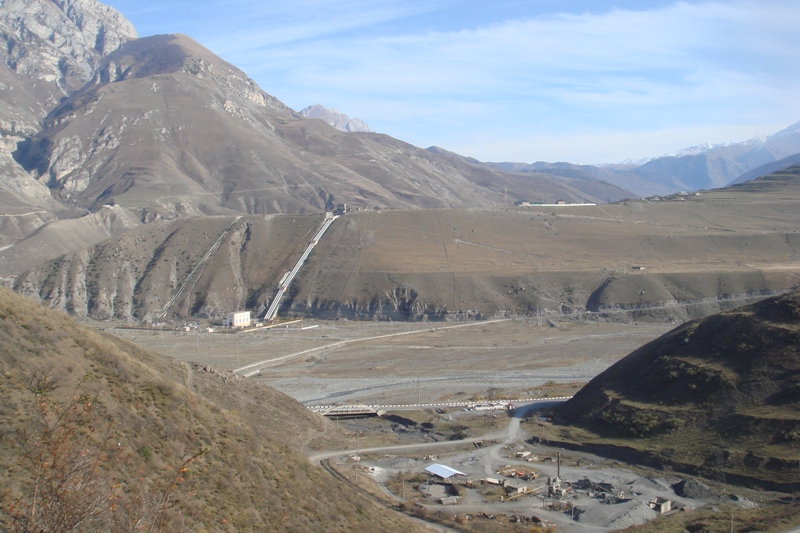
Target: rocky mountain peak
(338,120)
(101,26)
(59,42)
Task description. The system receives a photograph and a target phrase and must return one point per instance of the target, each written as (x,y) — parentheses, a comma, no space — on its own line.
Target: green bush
(145,452)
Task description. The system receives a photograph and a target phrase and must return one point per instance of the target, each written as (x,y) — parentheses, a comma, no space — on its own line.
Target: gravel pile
(637,514)
(400,463)
(647,485)
(691,488)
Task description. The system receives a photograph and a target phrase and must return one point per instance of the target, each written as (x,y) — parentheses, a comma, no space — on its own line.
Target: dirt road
(591,513)
(254,368)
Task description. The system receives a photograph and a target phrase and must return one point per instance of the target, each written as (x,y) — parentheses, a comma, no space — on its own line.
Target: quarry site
(502,454)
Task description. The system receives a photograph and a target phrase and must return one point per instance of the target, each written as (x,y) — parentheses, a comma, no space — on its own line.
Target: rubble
(691,488)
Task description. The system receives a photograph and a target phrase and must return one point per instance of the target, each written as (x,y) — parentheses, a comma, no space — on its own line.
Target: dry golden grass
(253,477)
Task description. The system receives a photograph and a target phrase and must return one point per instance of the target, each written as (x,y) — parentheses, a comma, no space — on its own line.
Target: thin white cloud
(676,68)
(666,46)
(259,26)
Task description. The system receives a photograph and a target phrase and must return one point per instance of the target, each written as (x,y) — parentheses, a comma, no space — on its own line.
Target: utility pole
(358,456)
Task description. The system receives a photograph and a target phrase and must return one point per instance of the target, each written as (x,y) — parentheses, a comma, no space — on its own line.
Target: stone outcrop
(58,44)
(338,120)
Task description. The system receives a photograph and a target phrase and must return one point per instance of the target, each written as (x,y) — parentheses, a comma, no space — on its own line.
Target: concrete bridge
(348,411)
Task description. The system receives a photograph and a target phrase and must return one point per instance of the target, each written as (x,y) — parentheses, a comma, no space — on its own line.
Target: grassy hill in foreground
(123,424)
(719,396)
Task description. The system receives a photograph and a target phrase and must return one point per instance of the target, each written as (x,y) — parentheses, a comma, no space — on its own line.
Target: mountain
(675,259)
(160,127)
(163,130)
(246,153)
(54,47)
(340,121)
(719,395)
(219,452)
(618,175)
(713,167)
(50,50)
(768,168)
(696,168)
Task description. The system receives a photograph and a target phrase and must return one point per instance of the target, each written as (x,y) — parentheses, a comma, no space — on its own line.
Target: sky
(584,81)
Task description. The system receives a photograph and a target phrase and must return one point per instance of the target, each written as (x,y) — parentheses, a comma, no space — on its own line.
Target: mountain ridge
(247,153)
(700,167)
(442,264)
(717,395)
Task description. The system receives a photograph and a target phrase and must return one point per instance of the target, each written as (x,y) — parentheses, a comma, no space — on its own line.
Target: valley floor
(387,362)
(319,362)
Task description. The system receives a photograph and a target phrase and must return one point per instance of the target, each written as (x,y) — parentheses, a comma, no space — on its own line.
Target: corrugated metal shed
(442,471)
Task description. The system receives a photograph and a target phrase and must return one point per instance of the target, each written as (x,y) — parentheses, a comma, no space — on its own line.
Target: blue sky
(513,80)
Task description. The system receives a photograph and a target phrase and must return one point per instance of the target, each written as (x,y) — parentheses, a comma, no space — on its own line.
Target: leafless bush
(71,487)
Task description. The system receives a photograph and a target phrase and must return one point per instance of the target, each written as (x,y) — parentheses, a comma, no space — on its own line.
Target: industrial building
(238,319)
(445,473)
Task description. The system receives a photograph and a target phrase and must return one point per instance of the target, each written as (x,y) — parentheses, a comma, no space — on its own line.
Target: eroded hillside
(668,260)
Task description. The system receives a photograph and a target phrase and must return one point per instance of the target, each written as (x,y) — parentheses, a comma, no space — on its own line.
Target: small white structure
(445,473)
(660,505)
(239,319)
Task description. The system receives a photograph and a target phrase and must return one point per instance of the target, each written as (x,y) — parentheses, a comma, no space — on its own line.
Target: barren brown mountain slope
(168,127)
(63,236)
(133,417)
(717,396)
(159,126)
(643,258)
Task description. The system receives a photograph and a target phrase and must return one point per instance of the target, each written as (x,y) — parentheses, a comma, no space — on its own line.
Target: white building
(239,319)
(445,473)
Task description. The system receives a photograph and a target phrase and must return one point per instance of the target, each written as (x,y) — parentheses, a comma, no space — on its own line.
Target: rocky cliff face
(437,264)
(50,49)
(338,120)
(57,45)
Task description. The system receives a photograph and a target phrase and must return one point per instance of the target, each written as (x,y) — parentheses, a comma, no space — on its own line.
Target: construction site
(511,478)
